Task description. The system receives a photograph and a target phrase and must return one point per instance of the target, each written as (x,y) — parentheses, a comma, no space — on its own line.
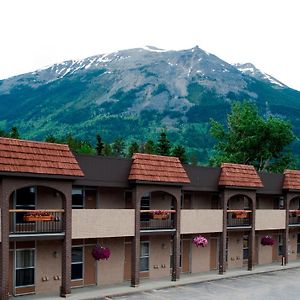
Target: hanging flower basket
(38,215)
(160,215)
(267,241)
(200,241)
(101,253)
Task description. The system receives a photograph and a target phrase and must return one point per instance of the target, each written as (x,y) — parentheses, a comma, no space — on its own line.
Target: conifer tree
(133,148)
(179,151)
(99,145)
(149,147)
(14,133)
(163,145)
(118,147)
(107,151)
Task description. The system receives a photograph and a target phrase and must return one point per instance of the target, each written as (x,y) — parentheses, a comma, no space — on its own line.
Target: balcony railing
(157,219)
(238,218)
(294,217)
(23,221)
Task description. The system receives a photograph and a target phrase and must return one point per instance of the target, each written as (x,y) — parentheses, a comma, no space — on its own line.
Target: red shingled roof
(157,168)
(291,179)
(239,175)
(37,157)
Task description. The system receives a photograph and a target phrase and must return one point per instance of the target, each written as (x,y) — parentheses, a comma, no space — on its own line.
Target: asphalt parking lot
(283,285)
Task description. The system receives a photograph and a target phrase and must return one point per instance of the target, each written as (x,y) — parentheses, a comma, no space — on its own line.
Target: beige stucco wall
(201,200)
(48,198)
(48,264)
(235,250)
(111,198)
(265,253)
(97,223)
(112,270)
(159,262)
(269,219)
(201,220)
(200,258)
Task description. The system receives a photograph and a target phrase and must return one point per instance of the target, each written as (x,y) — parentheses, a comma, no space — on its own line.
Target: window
(145,205)
(280,244)
(24,199)
(77,198)
(226,249)
(77,263)
(298,243)
(24,267)
(245,247)
(144,259)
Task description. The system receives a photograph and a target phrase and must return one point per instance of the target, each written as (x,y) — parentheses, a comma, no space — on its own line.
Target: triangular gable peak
(157,168)
(237,175)
(291,180)
(21,156)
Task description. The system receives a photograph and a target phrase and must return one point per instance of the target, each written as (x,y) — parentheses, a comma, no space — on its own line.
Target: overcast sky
(36,33)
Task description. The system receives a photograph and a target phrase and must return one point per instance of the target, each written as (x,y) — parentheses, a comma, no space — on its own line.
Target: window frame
(24,268)
(78,263)
(245,248)
(145,256)
(81,206)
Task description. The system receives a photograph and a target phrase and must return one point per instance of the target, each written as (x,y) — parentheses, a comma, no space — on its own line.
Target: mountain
(136,92)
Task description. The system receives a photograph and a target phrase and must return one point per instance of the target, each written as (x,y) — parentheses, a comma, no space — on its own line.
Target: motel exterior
(56,207)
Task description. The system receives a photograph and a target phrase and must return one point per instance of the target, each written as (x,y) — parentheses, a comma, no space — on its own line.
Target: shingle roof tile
(291,179)
(239,175)
(37,157)
(157,168)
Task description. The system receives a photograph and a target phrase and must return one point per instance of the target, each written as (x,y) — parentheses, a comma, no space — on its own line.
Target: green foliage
(250,139)
(14,133)
(99,145)
(149,147)
(179,151)
(107,151)
(51,139)
(118,147)
(133,148)
(163,145)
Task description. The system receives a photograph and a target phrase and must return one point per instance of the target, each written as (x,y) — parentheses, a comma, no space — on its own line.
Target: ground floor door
(89,266)
(185,256)
(214,253)
(127,262)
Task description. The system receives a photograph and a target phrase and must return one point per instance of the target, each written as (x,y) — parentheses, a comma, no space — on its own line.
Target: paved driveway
(283,285)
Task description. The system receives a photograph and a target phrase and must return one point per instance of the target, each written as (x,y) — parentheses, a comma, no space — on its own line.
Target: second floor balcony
(238,218)
(157,219)
(27,222)
(294,217)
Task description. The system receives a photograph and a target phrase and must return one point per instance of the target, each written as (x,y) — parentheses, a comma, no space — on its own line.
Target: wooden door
(214,254)
(185,256)
(89,266)
(127,262)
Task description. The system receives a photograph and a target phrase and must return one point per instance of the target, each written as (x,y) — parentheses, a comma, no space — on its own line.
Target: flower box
(36,216)
(160,215)
(240,215)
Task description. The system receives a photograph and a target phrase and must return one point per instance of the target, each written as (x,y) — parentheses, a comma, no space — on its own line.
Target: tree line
(246,138)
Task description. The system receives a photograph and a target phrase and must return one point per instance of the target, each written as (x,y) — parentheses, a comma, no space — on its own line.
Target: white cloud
(35,33)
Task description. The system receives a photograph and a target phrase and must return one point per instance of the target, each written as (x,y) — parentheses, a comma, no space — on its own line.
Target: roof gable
(20,156)
(157,168)
(291,179)
(239,176)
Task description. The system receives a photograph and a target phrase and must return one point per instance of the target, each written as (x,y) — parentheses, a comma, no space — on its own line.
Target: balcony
(294,217)
(238,218)
(157,219)
(28,222)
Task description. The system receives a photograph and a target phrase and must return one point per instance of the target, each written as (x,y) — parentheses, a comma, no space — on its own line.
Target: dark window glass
(77,271)
(25,197)
(144,259)
(77,263)
(77,254)
(77,198)
(24,277)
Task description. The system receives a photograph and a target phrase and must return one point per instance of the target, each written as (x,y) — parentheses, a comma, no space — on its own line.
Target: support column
(136,243)
(66,259)
(4,257)
(251,236)
(223,236)
(176,244)
(286,230)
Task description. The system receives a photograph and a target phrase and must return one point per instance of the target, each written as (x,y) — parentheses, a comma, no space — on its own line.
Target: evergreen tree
(179,151)
(194,159)
(99,145)
(133,148)
(118,147)
(51,139)
(3,133)
(107,151)
(14,133)
(149,147)
(163,145)
(85,148)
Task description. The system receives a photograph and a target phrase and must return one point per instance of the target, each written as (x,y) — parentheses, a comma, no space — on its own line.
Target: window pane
(77,197)
(77,254)
(144,249)
(24,277)
(24,258)
(77,271)
(25,196)
(144,261)
(245,253)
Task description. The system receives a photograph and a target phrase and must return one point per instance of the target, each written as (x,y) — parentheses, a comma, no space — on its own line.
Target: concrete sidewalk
(94,292)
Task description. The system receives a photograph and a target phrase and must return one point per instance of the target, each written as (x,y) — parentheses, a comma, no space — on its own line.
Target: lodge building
(56,207)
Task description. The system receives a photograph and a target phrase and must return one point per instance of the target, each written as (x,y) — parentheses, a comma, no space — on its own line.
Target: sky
(37,33)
